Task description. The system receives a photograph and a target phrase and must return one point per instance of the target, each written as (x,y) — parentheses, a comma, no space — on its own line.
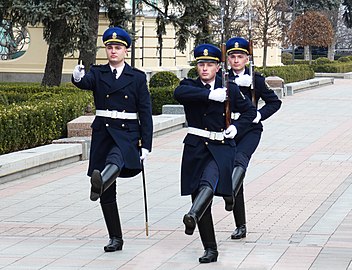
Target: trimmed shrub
(163,78)
(335,67)
(192,73)
(35,118)
(344,59)
(322,61)
(286,58)
(161,96)
(290,73)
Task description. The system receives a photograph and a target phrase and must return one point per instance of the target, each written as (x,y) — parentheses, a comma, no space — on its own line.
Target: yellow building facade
(30,66)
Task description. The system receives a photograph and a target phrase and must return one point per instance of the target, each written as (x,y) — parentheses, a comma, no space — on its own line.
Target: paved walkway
(298,199)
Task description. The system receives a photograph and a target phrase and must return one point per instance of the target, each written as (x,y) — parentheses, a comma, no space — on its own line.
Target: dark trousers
(245,148)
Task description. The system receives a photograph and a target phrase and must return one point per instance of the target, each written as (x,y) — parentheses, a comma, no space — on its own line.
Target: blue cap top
(116,35)
(237,44)
(207,53)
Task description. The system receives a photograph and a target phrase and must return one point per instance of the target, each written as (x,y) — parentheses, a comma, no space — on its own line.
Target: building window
(14,40)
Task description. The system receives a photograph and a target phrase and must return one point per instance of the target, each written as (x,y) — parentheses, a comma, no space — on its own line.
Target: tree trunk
(331,50)
(55,55)
(88,49)
(265,52)
(307,53)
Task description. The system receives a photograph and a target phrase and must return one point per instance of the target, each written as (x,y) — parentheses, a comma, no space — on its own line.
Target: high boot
(112,221)
(200,204)
(238,174)
(207,235)
(239,213)
(102,181)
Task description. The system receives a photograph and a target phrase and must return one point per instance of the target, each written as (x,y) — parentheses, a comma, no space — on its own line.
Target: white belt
(235,116)
(212,135)
(116,114)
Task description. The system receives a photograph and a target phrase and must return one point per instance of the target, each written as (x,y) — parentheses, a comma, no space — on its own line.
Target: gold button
(223,114)
(205,114)
(222,141)
(123,125)
(107,125)
(206,143)
(222,129)
(205,128)
(107,96)
(126,97)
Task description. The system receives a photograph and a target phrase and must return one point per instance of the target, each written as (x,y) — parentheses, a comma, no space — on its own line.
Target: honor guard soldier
(209,148)
(248,139)
(122,129)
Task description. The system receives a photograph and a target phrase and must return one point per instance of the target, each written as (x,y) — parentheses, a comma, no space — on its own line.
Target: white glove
(78,73)
(244,80)
(144,153)
(218,94)
(257,119)
(230,132)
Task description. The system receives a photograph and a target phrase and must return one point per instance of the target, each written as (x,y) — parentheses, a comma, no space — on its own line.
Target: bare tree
(266,28)
(343,34)
(235,20)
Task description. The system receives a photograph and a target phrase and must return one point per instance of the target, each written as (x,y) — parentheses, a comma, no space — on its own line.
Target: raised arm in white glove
(230,132)
(218,94)
(144,153)
(257,118)
(78,73)
(244,80)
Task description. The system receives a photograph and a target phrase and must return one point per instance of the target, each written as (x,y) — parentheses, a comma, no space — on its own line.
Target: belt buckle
(114,114)
(212,135)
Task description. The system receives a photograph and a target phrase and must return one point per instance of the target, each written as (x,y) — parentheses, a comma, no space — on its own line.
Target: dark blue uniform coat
(248,139)
(209,115)
(128,93)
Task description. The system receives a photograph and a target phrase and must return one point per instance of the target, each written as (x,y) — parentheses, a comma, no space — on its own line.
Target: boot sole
(190,224)
(201,260)
(108,249)
(96,184)
(238,237)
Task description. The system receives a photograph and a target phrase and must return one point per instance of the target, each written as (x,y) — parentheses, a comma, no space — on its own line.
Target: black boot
(239,214)
(207,235)
(238,174)
(210,255)
(239,232)
(200,204)
(112,220)
(102,181)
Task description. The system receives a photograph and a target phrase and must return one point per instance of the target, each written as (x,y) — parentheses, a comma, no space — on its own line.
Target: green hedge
(335,67)
(290,73)
(39,119)
(161,96)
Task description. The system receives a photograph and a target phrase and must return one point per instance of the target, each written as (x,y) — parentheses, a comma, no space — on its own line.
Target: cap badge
(114,35)
(205,52)
(236,45)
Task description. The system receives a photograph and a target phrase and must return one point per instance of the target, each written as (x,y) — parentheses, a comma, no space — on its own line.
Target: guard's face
(207,71)
(237,61)
(116,54)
